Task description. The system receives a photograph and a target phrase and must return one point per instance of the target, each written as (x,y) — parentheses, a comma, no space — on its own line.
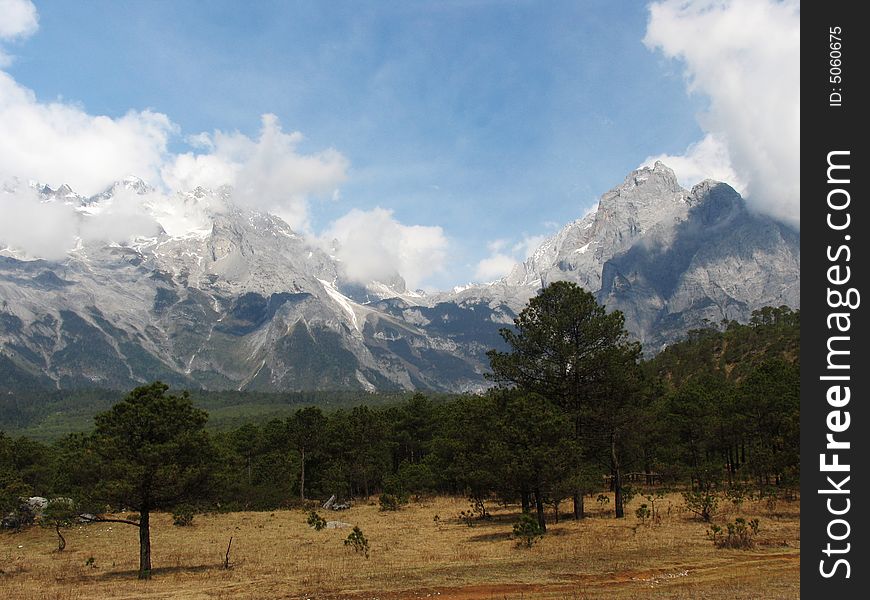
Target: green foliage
(151,453)
(51,414)
(738,535)
(736,494)
(628,494)
(152,450)
(718,411)
(653,510)
(182,515)
(12,488)
(527,531)
(643,513)
(358,541)
(702,503)
(315,521)
(390,502)
(576,357)
(60,510)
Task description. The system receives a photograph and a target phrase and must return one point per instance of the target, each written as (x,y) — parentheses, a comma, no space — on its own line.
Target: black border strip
(835,261)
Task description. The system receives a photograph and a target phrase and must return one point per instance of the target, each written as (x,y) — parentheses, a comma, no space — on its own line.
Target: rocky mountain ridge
(222,297)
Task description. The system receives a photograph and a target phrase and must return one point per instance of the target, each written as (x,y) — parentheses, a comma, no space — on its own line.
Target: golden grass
(412,555)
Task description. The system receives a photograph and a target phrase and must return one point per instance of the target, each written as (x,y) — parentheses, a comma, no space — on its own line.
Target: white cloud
(19,19)
(123,219)
(745,56)
(59,143)
(707,159)
(495,266)
(268,173)
(49,229)
(39,229)
(504,255)
(374,246)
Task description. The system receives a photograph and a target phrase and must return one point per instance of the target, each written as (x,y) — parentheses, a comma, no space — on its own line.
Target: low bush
(316,521)
(738,535)
(527,531)
(358,541)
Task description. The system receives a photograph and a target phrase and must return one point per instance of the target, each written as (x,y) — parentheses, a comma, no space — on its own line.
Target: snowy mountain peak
(62,194)
(646,198)
(200,291)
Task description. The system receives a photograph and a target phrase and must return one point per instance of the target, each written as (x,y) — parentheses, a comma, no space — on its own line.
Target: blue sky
(493,120)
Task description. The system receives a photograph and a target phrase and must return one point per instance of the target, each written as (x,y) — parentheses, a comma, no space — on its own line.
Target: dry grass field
(412,555)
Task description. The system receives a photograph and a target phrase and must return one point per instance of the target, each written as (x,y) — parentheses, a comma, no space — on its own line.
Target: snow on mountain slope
(197,291)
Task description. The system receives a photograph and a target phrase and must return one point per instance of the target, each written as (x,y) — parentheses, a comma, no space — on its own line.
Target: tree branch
(106,520)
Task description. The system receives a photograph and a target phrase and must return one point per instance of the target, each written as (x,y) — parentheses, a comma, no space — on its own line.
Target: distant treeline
(48,415)
(718,409)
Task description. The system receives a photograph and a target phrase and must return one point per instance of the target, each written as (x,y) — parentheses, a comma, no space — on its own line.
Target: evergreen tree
(152,454)
(566,348)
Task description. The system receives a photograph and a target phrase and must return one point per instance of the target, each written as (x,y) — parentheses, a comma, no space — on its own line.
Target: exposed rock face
(719,262)
(226,298)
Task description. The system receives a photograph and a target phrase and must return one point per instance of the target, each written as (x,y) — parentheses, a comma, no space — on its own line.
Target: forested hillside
(718,409)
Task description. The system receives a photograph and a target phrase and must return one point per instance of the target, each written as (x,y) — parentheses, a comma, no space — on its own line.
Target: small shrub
(703,503)
(183,515)
(738,535)
(527,531)
(654,514)
(133,517)
(643,513)
(316,521)
(467,517)
(358,541)
(476,512)
(390,502)
(770,497)
(478,508)
(736,494)
(603,500)
(628,494)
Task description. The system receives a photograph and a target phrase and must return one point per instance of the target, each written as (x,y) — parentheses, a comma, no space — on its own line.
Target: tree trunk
(539,507)
(617,478)
(579,513)
(302,477)
(61,542)
(144,544)
(526,500)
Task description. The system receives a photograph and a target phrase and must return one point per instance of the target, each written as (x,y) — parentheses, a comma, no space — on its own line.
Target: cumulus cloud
(268,173)
(495,266)
(58,143)
(504,255)
(122,219)
(20,19)
(707,159)
(744,55)
(39,229)
(36,227)
(374,246)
